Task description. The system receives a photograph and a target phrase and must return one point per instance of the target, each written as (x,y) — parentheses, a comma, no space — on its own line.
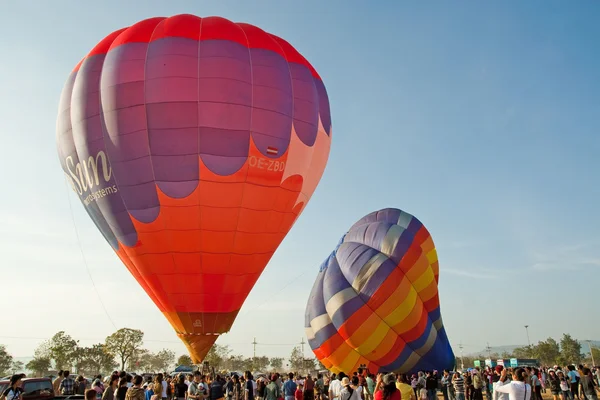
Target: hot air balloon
(375,300)
(194,144)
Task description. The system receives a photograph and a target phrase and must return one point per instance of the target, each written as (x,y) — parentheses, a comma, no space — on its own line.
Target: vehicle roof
(27,380)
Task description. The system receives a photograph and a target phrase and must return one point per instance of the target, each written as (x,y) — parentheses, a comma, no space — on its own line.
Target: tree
(548,352)
(17,366)
(185,360)
(276,363)
(238,363)
(297,360)
(6,361)
(260,363)
(506,354)
(217,355)
(63,349)
(163,359)
(522,352)
(570,349)
(39,365)
(124,343)
(141,361)
(96,359)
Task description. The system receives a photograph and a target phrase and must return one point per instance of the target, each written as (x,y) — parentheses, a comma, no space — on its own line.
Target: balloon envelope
(375,300)
(194,144)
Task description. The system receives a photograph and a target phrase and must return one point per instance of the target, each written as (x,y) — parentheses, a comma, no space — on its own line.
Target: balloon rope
(87,267)
(276,293)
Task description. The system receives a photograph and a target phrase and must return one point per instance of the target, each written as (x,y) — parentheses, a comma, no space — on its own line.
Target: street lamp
(591,352)
(528,341)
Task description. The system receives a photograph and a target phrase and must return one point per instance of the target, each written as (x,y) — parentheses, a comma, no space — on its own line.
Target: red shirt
(298,394)
(395,396)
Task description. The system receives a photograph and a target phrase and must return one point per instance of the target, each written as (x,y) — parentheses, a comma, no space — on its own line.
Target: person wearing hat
(348,392)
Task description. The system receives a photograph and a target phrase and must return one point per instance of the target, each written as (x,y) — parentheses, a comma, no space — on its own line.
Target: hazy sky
(480,118)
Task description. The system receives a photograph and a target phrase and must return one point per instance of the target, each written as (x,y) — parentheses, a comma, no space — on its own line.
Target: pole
(489,350)
(528,341)
(302,347)
(462,360)
(254,345)
(591,352)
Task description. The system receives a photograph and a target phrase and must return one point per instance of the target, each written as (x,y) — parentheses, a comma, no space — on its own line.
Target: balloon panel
(375,300)
(194,144)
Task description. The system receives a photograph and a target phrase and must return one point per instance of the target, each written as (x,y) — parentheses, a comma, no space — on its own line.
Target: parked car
(38,389)
(33,388)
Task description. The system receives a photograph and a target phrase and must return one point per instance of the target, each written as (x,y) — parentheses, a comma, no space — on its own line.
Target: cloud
(567,257)
(483,274)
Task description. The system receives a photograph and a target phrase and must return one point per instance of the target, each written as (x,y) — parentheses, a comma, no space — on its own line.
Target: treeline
(125,350)
(221,358)
(549,352)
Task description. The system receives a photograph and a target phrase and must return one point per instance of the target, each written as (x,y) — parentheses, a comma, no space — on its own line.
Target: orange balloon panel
(194,145)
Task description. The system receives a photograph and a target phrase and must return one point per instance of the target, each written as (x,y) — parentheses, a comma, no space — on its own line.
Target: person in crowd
(588,386)
(431,384)
(14,390)
(388,391)
(370,392)
(319,387)
(289,387)
(444,382)
(536,384)
(109,392)
(335,386)
(135,392)
(459,386)
(516,389)
(477,385)
(57,381)
(348,392)
(90,394)
(298,393)
(180,390)
(309,388)
(80,385)
(573,378)
(67,386)
(98,386)
(121,391)
(272,391)
(565,386)
(554,384)
(406,391)
(355,382)
(216,391)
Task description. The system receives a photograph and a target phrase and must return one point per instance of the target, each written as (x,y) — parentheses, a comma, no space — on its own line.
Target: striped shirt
(459,385)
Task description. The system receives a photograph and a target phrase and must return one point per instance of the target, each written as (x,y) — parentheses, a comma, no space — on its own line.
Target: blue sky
(481,119)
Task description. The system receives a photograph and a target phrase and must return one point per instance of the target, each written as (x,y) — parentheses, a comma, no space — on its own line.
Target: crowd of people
(497,383)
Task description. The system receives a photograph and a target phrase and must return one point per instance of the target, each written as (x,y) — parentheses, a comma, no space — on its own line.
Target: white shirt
(335,387)
(516,390)
(164,389)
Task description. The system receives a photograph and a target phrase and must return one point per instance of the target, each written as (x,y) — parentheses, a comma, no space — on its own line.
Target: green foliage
(570,350)
(297,360)
(17,366)
(185,360)
(260,363)
(276,363)
(95,360)
(39,365)
(6,361)
(217,355)
(63,350)
(124,344)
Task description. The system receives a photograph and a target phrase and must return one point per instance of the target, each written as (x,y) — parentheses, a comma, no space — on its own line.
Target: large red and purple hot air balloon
(194,145)
(375,301)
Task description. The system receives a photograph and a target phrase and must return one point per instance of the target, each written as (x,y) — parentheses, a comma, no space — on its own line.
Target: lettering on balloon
(266,164)
(89,178)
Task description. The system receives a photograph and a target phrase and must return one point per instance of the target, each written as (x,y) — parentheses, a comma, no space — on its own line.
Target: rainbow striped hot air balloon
(375,301)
